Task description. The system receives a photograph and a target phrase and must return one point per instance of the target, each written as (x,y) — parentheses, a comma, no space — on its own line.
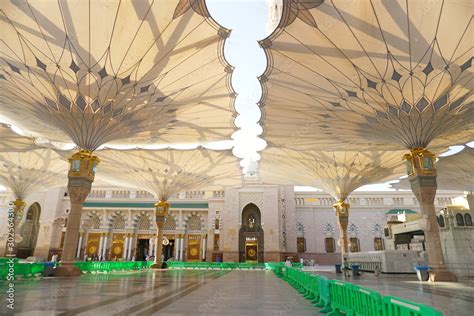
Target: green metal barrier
(21,270)
(366,301)
(394,306)
(324,301)
(341,298)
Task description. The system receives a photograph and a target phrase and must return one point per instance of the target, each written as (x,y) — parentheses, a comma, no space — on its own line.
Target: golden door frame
(194,248)
(251,244)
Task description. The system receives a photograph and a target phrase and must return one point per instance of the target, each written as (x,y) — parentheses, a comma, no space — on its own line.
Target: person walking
(345,268)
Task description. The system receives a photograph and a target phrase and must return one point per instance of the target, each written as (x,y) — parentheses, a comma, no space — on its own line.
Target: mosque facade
(254,223)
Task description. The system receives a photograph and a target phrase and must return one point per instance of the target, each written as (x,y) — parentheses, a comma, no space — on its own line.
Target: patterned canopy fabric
(337,173)
(370,75)
(26,172)
(110,71)
(454,172)
(167,172)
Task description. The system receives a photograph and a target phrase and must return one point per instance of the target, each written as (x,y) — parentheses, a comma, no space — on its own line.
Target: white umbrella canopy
(370,75)
(11,141)
(167,172)
(26,172)
(96,72)
(337,173)
(454,172)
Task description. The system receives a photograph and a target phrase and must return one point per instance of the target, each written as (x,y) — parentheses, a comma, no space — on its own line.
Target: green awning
(400,211)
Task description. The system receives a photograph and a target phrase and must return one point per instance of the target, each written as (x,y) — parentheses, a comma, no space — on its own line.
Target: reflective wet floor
(152,292)
(195,292)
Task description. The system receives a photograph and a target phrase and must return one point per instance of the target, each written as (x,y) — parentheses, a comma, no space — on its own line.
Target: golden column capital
(19,206)
(161,211)
(420,162)
(83,164)
(19,203)
(341,208)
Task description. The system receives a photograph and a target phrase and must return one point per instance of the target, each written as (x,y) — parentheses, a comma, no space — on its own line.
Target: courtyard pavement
(207,292)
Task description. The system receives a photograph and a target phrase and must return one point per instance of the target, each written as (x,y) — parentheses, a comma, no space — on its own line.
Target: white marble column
(153,245)
(203,247)
(85,238)
(101,244)
(176,247)
(125,248)
(130,247)
(79,245)
(104,247)
(181,250)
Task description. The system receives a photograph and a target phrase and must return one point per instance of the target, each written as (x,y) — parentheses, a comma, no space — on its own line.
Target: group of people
(94,257)
(345,266)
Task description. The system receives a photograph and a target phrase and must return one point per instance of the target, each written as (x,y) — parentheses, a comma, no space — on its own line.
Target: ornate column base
(67,270)
(442,276)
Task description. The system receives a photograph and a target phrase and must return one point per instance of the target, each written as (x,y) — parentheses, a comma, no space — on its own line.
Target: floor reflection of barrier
(227,265)
(342,298)
(111,266)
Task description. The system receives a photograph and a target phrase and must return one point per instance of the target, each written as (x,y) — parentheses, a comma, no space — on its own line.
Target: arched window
(459,219)
(468,219)
(354,244)
(194,223)
(330,244)
(441,221)
(30,214)
(144,223)
(216,224)
(95,219)
(119,222)
(170,223)
(378,244)
(301,244)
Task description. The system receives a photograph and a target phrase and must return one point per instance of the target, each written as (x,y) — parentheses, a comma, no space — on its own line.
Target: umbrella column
(161,211)
(81,175)
(422,176)
(342,214)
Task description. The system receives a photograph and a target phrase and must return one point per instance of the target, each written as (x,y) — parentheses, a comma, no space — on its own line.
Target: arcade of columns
(129,237)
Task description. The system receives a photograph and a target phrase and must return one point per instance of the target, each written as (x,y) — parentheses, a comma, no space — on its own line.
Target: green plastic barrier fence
(324,301)
(394,306)
(341,298)
(366,301)
(21,270)
(312,288)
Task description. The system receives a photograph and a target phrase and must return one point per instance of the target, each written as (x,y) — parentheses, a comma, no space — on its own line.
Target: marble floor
(194,292)
(152,292)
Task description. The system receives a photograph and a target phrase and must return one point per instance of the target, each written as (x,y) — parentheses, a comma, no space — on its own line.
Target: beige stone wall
(271,221)
(229,239)
(50,202)
(289,196)
(215,206)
